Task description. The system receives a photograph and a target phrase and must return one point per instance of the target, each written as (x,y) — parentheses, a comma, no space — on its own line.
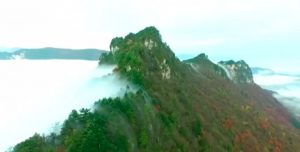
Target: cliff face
(180,106)
(238,72)
(142,56)
(201,62)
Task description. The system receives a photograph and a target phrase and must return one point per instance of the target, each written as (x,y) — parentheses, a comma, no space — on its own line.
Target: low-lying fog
(286,85)
(36,94)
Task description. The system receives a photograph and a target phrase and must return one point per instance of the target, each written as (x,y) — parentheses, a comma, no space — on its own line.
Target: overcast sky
(259,31)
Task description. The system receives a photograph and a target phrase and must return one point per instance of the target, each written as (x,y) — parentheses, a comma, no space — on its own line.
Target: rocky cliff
(238,72)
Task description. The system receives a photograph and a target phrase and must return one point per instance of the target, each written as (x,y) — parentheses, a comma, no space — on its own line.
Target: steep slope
(238,72)
(180,106)
(52,53)
(201,62)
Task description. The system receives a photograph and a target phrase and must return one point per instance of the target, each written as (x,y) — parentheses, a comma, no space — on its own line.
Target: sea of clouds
(285,84)
(37,94)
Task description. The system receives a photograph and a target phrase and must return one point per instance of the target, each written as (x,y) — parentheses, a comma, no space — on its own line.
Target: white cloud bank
(287,86)
(36,94)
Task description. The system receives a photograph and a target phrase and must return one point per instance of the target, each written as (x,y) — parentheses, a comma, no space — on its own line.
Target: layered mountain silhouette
(52,53)
(191,105)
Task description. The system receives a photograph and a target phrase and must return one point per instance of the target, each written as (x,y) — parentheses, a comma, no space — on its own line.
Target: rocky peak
(148,37)
(202,62)
(200,58)
(141,55)
(238,72)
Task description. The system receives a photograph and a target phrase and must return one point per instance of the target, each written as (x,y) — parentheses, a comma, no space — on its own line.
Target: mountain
(198,62)
(52,53)
(238,72)
(258,70)
(193,105)
(8,49)
(5,55)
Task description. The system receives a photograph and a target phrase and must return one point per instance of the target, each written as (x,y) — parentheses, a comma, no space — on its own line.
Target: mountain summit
(193,105)
(238,72)
(141,56)
(202,62)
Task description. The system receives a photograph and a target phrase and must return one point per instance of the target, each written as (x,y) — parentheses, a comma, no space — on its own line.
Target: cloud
(287,86)
(293,104)
(36,94)
(271,80)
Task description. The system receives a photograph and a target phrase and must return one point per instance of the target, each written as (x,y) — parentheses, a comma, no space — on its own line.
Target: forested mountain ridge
(180,106)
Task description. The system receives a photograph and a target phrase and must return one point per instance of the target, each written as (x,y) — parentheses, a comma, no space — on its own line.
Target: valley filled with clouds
(38,94)
(285,85)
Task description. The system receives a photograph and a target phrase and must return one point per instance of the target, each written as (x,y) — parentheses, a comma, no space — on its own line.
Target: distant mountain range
(51,53)
(266,71)
(259,69)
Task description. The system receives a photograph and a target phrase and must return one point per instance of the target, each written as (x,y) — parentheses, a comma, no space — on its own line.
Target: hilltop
(193,105)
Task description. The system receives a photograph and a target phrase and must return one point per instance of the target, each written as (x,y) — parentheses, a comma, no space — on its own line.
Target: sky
(265,33)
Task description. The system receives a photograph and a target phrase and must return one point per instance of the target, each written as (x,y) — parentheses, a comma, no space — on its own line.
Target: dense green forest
(180,106)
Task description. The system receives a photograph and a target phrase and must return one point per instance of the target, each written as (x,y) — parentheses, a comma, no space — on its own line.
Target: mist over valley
(37,94)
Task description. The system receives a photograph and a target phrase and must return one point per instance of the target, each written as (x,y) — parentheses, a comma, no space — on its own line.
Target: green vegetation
(202,60)
(180,106)
(36,143)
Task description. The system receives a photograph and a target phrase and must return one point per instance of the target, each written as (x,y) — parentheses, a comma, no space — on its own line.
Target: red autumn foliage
(157,107)
(277,145)
(264,124)
(242,136)
(245,140)
(228,123)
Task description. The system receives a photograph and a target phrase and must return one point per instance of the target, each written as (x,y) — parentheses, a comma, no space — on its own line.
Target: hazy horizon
(264,33)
